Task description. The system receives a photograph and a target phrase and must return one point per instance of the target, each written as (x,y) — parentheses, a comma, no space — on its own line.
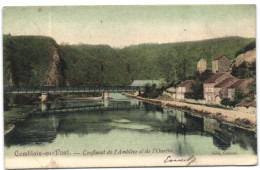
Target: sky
(120,26)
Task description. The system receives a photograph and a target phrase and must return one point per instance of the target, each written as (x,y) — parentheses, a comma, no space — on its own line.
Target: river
(123,125)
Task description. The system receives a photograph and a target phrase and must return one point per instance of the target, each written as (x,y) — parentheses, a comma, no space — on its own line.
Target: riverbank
(16,114)
(240,119)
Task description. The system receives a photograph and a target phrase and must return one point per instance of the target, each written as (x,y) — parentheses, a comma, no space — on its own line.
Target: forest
(27,60)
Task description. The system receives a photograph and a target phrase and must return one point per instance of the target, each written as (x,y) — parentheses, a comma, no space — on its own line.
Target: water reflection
(135,123)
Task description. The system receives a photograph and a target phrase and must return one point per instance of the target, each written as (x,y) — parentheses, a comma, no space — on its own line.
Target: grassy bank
(16,114)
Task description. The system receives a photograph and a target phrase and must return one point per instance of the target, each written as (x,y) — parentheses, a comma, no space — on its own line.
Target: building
(145,82)
(221,64)
(221,89)
(239,85)
(183,88)
(170,92)
(202,65)
(208,86)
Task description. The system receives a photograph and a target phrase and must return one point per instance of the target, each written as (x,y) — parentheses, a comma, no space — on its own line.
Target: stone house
(170,92)
(221,64)
(183,88)
(238,85)
(202,65)
(221,89)
(208,86)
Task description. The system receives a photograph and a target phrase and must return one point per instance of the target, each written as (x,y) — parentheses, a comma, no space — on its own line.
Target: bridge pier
(106,102)
(138,93)
(43,107)
(44,97)
(105,95)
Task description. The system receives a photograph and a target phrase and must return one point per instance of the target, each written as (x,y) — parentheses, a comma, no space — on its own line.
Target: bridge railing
(70,89)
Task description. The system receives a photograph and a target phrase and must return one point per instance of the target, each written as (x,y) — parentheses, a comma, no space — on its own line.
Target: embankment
(240,119)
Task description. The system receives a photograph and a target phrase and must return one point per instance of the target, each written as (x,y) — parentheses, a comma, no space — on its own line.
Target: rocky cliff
(32,61)
(249,57)
(55,76)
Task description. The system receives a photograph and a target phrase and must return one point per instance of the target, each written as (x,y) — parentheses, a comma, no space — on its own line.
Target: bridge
(79,89)
(44,90)
(93,108)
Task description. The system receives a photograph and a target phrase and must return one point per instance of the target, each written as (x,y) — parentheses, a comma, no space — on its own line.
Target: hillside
(32,61)
(36,61)
(153,61)
(94,65)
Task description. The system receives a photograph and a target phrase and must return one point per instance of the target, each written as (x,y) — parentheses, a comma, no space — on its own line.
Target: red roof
(185,83)
(213,78)
(218,57)
(227,82)
(237,84)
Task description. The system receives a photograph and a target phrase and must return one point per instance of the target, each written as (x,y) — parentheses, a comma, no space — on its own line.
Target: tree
(239,95)
(162,84)
(252,89)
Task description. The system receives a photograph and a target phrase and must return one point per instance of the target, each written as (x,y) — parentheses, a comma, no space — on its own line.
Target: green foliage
(95,65)
(26,60)
(197,91)
(228,102)
(244,70)
(176,62)
(162,84)
(239,96)
(250,46)
(150,91)
(252,89)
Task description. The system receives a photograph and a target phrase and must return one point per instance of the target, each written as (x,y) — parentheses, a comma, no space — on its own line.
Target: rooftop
(171,89)
(213,78)
(185,83)
(218,57)
(241,83)
(237,84)
(227,82)
(144,82)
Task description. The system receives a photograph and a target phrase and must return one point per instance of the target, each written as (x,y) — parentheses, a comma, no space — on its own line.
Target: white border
(115,2)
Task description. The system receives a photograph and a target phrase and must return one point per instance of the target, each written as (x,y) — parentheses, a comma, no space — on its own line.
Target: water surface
(79,127)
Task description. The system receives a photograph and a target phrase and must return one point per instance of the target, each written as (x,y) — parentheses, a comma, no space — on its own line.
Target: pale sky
(120,26)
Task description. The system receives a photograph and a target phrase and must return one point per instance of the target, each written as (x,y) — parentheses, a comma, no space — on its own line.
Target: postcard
(129,86)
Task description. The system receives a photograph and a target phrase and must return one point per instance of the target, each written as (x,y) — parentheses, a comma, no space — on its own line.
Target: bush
(228,102)
(150,91)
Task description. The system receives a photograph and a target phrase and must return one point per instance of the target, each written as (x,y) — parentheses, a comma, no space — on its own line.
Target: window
(206,89)
(229,93)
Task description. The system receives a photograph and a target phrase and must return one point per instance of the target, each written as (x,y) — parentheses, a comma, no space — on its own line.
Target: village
(222,96)
(221,86)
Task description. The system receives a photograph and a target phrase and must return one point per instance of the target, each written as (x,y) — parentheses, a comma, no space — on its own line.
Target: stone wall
(249,57)
(214,66)
(171,95)
(224,65)
(202,66)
